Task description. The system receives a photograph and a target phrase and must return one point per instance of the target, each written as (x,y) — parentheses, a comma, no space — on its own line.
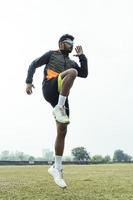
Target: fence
(51,162)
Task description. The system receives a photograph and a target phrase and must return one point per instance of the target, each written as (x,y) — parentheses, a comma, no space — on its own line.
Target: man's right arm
(35,64)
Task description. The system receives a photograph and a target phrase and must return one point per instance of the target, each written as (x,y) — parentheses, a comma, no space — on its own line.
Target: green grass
(92,182)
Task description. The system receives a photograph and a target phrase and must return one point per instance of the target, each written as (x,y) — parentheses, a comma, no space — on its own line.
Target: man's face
(66,46)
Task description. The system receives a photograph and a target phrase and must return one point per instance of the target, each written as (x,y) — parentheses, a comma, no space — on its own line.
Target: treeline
(78,154)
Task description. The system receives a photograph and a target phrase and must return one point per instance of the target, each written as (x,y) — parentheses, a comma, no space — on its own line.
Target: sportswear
(57,176)
(56,62)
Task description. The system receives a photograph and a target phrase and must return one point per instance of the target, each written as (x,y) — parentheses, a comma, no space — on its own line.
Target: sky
(101,106)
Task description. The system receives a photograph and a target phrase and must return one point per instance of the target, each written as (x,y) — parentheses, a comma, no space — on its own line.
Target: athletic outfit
(56,62)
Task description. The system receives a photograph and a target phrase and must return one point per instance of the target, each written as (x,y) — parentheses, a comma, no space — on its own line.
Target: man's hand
(78,50)
(29,88)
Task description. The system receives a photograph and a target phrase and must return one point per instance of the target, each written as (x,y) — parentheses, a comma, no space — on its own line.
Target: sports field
(92,182)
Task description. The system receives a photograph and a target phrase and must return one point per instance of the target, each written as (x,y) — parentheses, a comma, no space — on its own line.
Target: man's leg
(59,144)
(67,79)
(56,170)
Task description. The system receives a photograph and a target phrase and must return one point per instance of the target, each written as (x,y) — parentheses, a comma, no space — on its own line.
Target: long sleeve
(44,59)
(83,69)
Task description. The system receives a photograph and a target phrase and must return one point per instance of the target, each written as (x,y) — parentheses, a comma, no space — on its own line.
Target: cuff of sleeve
(81,56)
(28,82)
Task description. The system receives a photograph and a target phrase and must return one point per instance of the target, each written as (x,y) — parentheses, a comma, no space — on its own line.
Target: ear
(61,45)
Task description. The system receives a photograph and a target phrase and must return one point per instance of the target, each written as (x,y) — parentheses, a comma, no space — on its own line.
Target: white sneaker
(60,114)
(58,176)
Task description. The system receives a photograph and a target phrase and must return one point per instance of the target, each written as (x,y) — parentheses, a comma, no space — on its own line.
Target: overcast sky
(101,105)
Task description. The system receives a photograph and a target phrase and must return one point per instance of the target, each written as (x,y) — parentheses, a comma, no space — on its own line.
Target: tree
(127,158)
(12,156)
(5,155)
(97,158)
(20,156)
(118,156)
(107,159)
(31,159)
(80,154)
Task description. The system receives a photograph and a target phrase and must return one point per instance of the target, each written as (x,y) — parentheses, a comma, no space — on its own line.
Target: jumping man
(60,73)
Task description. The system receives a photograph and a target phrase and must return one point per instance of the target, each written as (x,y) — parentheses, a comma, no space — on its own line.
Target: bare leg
(68,78)
(60,139)
(56,170)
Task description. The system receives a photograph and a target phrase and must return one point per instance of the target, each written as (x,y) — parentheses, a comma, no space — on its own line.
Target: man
(59,75)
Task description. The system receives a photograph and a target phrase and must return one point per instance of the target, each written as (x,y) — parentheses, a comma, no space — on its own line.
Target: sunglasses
(68,41)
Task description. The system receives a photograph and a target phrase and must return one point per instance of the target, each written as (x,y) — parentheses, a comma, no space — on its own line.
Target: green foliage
(120,156)
(31,158)
(97,158)
(127,158)
(80,154)
(107,159)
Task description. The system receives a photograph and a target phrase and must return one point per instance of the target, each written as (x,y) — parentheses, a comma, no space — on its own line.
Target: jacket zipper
(65,62)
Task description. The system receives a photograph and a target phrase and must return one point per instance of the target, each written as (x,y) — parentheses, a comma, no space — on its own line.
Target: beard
(66,50)
(69,50)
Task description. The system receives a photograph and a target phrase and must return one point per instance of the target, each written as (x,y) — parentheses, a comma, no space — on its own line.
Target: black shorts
(51,94)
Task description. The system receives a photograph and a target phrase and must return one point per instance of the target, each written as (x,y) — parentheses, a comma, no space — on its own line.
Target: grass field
(92,182)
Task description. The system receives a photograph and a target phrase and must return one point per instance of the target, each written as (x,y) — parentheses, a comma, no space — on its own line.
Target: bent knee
(73,72)
(69,72)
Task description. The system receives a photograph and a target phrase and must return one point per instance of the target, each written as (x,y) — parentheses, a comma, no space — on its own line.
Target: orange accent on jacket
(51,74)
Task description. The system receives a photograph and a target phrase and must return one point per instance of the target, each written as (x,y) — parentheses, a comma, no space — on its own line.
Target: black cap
(65,37)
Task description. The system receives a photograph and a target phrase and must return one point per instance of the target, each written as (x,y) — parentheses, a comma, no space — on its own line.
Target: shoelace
(60,173)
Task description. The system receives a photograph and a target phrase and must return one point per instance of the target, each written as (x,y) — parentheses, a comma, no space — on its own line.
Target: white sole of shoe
(60,121)
(68,122)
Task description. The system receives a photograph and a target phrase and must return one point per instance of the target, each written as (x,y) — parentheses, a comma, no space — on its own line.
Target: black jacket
(57,62)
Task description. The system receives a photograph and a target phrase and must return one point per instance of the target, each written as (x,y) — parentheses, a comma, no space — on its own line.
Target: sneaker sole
(68,122)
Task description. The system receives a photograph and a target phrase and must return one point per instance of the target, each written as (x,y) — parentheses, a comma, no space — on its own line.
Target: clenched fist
(29,88)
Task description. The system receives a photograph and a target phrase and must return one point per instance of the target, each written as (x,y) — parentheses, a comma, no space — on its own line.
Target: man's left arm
(83,69)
